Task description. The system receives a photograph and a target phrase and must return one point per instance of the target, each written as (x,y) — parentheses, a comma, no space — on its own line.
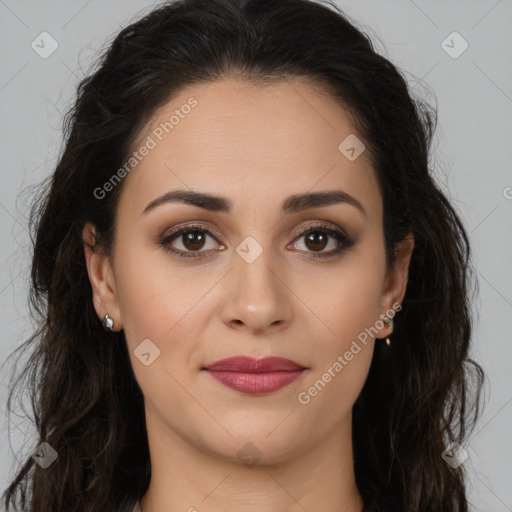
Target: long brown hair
(422,393)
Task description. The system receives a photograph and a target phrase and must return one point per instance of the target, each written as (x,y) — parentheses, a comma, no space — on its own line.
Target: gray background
(473,154)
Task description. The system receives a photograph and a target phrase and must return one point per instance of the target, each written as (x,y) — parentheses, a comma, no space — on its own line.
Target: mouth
(255,376)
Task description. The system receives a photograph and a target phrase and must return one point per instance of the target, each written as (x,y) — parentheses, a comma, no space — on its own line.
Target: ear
(101,278)
(395,283)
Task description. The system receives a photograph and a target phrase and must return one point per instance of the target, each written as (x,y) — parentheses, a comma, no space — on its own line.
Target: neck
(186,477)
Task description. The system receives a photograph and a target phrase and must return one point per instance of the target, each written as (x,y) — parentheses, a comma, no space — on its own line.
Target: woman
(252,293)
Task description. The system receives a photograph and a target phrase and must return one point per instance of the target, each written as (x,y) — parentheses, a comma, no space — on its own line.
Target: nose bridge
(259,298)
(256,265)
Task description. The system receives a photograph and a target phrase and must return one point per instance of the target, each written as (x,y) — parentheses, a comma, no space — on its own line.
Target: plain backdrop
(473,155)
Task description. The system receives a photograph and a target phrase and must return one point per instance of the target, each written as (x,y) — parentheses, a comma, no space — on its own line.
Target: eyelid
(191,227)
(344,241)
(310,227)
(298,233)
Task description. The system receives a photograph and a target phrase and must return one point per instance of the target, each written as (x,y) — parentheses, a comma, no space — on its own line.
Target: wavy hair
(422,393)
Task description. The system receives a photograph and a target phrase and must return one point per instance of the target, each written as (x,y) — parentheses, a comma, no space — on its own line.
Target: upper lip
(250,365)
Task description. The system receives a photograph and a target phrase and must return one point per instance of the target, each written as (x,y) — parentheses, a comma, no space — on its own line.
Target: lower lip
(256,383)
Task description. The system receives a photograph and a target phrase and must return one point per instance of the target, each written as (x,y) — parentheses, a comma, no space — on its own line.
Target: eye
(316,238)
(193,239)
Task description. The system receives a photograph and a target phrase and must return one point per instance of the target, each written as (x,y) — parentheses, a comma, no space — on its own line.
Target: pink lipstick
(255,376)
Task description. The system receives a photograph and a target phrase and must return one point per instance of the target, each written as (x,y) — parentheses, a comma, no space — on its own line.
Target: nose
(258,298)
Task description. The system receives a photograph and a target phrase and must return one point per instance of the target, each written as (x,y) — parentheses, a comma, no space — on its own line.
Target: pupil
(195,239)
(315,237)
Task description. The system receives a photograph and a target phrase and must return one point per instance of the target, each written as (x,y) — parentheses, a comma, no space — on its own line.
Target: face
(241,279)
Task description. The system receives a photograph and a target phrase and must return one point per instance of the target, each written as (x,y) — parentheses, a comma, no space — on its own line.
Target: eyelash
(339,235)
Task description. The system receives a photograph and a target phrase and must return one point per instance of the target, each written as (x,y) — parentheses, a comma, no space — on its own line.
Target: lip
(246,364)
(255,376)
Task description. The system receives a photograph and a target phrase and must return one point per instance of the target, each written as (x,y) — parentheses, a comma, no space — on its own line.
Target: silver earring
(390,322)
(108,323)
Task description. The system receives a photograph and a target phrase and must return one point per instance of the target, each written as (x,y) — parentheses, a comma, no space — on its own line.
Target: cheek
(155,303)
(151,297)
(344,300)
(163,302)
(347,304)
(135,287)
(348,308)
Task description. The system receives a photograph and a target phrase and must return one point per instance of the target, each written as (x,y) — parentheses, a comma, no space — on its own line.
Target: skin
(255,146)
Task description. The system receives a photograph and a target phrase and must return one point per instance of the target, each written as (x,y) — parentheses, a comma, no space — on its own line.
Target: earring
(390,322)
(108,323)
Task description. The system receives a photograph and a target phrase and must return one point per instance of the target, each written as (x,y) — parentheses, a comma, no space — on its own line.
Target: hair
(422,393)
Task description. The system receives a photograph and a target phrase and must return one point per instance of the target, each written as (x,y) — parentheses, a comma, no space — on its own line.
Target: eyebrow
(293,204)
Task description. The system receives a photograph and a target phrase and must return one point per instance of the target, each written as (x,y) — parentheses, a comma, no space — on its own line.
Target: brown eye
(316,241)
(317,238)
(193,240)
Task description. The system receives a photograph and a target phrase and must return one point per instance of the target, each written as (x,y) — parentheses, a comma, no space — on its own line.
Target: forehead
(249,142)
